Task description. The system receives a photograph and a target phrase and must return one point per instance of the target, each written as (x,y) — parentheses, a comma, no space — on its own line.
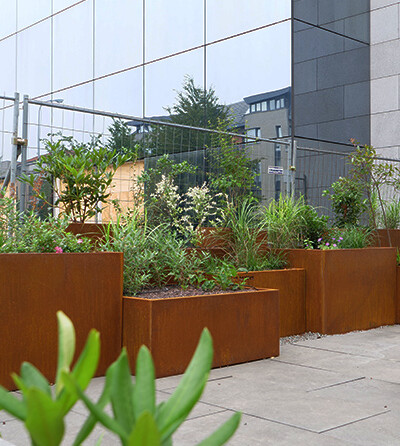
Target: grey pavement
(337,390)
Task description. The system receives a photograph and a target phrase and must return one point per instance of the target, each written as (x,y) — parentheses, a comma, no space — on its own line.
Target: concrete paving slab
(379,431)
(380,343)
(386,395)
(316,393)
(296,408)
(251,432)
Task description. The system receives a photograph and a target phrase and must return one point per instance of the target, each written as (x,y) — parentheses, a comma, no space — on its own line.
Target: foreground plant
(41,411)
(137,420)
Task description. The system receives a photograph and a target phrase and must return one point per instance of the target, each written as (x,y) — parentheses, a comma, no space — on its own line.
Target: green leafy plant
(28,233)
(82,175)
(392,209)
(137,419)
(232,172)
(285,222)
(374,175)
(347,201)
(153,256)
(356,237)
(41,410)
(221,272)
(315,225)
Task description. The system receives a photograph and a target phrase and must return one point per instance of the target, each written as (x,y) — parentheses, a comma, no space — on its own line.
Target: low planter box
(86,286)
(292,301)
(244,326)
(348,289)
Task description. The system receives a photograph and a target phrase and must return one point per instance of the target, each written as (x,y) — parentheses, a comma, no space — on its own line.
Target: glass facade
(300,66)
(331,88)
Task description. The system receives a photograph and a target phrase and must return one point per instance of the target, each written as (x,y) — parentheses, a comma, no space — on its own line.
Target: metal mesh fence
(272,160)
(150,140)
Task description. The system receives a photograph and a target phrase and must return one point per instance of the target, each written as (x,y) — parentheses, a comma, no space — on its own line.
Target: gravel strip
(309,336)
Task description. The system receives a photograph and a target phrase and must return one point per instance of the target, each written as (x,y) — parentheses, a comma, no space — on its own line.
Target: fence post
(293,167)
(14,153)
(24,149)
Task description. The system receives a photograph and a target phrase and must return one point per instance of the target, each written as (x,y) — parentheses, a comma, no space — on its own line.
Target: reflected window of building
(254,132)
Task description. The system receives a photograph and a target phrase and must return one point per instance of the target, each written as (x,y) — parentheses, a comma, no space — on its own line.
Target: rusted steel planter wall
(244,327)
(348,289)
(94,231)
(383,240)
(398,295)
(292,301)
(87,287)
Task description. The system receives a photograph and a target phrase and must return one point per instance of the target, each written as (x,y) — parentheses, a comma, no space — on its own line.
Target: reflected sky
(95,38)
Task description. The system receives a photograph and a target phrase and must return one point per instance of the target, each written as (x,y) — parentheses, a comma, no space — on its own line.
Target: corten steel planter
(94,231)
(398,295)
(244,326)
(215,238)
(86,286)
(292,300)
(348,289)
(382,238)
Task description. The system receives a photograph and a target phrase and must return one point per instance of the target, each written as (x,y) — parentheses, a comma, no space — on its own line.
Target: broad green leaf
(12,405)
(145,432)
(101,403)
(189,390)
(144,393)
(32,377)
(102,417)
(66,346)
(223,433)
(84,369)
(45,419)
(121,393)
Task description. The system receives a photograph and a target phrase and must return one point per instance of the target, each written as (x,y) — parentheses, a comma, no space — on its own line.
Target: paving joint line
(209,380)
(353,422)
(209,414)
(253,416)
(335,351)
(306,366)
(337,384)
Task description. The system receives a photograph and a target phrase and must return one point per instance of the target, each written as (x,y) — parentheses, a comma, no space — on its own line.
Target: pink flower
(58,250)
(334,245)
(79,240)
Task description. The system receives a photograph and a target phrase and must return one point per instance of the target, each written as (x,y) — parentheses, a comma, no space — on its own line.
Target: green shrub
(28,233)
(347,201)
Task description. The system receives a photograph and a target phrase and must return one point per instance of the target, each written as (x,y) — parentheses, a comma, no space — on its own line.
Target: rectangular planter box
(382,238)
(93,231)
(86,286)
(348,289)
(244,326)
(398,295)
(292,296)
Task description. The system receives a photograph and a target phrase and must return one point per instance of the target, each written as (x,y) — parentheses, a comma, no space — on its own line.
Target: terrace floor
(334,391)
